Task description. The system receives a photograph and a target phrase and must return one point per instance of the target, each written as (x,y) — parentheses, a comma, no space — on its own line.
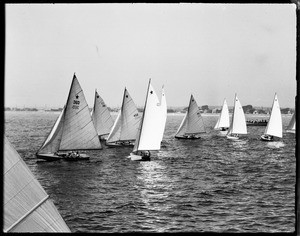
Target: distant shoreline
(169,113)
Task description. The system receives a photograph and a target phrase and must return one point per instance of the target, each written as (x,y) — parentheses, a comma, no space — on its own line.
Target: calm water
(212,184)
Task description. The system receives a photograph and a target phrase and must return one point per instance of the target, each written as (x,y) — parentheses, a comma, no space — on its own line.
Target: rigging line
(32,179)
(27,214)
(86,124)
(12,167)
(81,109)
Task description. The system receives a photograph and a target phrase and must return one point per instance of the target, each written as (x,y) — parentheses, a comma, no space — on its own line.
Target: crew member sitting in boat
(267,137)
(73,154)
(190,136)
(146,156)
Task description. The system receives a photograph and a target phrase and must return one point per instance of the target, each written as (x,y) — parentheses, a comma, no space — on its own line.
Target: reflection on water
(278,144)
(240,144)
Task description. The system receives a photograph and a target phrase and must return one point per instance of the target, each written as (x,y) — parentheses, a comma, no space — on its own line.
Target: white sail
(79,132)
(101,116)
(193,122)
(292,125)
(27,207)
(115,132)
(52,142)
(274,126)
(127,122)
(153,122)
(163,115)
(238,122)
(182,127)
(223,121)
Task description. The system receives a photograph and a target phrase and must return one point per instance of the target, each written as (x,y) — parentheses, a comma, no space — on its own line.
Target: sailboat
(101,117)
(152,126)
(27,207)
(223,122)
(238,122)
(274,127)
(125,128)
(192,124)
(292,125)
(73,130)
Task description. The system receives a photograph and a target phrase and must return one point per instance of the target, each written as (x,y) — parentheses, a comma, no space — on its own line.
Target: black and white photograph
(150,117)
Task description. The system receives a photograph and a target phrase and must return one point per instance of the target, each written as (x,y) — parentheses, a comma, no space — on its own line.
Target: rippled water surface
(211,184)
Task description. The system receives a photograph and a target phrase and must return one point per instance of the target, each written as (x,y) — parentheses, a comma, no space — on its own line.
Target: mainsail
(292,125)
(238,122)
(27,207)
(153,122)
(74,128)
(101,116)
(274,126)
(223,121)
(192,122)
(126,125)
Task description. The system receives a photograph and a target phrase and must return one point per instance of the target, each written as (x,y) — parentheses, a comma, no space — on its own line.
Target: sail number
(76,104)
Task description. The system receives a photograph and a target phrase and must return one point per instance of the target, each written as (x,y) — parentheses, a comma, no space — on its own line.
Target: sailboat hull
(222,132)
(63,156)
(49,157)
(135,157)
(234,138)
(187,137)
(291,131)
(80,158)
(120,144)
(267,138)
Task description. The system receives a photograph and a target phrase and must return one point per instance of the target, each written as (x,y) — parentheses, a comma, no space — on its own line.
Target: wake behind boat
(72,131)
(152,126)
(192,124)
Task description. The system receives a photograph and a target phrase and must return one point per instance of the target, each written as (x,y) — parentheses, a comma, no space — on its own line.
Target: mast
(95,99)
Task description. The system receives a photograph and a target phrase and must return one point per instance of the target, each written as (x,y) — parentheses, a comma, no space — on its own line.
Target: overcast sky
(209,50)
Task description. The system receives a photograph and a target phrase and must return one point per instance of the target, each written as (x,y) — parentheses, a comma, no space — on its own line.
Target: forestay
(274,126)
(27,207)
(153,122)
(223,121)
(238,123)
(101,116)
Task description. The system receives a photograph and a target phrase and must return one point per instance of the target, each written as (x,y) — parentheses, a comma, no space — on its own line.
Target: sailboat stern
(140,156)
